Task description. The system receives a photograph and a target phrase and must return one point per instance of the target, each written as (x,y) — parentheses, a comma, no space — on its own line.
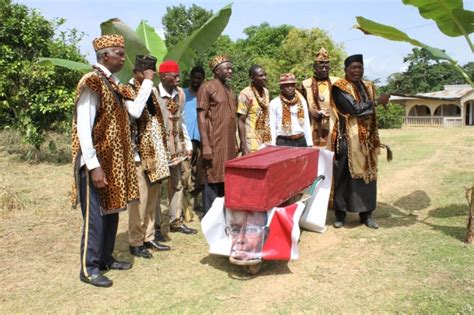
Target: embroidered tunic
(221,125)
(257,120)
(322,102)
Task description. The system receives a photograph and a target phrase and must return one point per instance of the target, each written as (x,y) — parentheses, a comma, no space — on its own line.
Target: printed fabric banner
(252,235)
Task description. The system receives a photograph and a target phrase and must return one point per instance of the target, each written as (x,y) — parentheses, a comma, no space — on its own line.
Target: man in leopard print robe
(151,161)
(105,176)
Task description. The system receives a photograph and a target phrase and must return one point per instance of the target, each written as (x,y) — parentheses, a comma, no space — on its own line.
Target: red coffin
(265,179)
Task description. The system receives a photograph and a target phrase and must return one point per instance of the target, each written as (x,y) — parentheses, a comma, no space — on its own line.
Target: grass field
(415,263)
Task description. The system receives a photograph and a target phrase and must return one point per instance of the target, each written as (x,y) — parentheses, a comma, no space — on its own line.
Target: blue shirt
(190,115)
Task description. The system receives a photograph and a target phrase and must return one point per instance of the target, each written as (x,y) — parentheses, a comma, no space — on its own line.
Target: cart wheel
(254,269)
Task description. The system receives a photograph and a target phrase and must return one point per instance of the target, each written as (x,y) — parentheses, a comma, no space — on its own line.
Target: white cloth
(86,111)
(276,113)
(314,215)
(187,139)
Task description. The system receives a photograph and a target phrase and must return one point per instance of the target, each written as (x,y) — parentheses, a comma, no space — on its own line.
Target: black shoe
(155,245)
(161,238)
(338,224)
(117,265)
(97,280)
(140,251)
(371,223)
(183,229)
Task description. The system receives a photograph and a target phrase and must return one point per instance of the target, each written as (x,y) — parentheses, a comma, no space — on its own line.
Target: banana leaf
(370,27)
(73,65)
(185,51)
(449,15)
(152,40)
(133,45)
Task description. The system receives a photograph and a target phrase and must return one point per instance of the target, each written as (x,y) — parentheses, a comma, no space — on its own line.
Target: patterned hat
(218,60)
(287,78)
(107,41)
(145,62)
(322,56)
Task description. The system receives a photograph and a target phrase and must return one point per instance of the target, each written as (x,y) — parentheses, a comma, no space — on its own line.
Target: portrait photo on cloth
(247,230)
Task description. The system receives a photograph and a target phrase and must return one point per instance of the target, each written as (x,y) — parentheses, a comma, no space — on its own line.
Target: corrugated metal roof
(450,92)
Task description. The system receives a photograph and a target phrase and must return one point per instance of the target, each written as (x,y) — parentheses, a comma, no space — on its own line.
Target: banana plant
(145,40)
(450,17)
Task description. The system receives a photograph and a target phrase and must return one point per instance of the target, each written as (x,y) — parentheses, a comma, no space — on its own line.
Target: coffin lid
(262,159)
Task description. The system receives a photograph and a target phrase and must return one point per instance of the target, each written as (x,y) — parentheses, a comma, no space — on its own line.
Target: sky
(381,57)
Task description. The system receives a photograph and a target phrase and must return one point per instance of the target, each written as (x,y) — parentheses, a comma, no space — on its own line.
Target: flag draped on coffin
(284,233)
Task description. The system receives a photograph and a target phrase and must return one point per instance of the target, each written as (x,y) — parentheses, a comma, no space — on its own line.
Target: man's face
(321,70)
(259,78)
(288,90)
(224,72)
(114,59)
(354,71)
(170,79)
(247,232)
(196,80)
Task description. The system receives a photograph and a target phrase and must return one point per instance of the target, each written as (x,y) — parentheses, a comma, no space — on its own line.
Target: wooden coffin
(265,179)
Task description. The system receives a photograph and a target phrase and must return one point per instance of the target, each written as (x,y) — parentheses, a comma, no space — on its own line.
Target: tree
(299,49)
(450,17)
(179,22)
(278,49)
(35,99)
(424,75)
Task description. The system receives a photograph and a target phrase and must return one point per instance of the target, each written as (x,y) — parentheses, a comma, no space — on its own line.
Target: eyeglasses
(249,229)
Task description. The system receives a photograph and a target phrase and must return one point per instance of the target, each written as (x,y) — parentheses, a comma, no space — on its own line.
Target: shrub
(390,117)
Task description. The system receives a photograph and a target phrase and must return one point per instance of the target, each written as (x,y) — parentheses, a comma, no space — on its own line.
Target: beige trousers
(171,214)
(141,223)
(192,181)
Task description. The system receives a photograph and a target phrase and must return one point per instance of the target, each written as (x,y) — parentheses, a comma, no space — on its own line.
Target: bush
(390,117)
(35,99)
(55,148)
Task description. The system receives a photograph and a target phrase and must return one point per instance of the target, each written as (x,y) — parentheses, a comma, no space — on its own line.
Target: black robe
(352,195)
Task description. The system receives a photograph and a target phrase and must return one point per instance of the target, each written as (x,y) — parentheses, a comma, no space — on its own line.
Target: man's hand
(244,150)
(314,112)
(149,74)
(206,152)
(383,99)
(98,177)
(189,154)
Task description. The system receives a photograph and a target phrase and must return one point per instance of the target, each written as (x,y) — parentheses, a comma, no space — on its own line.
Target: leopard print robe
(112,141)
(151,140)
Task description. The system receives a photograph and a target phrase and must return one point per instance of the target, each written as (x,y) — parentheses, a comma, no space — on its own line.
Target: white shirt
(276,113)
(187,139)
(86,111)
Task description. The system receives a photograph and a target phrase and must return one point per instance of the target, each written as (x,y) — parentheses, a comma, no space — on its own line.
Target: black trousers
(210,193)
(351,195)
(341,215)
(301,142)
(98,232)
